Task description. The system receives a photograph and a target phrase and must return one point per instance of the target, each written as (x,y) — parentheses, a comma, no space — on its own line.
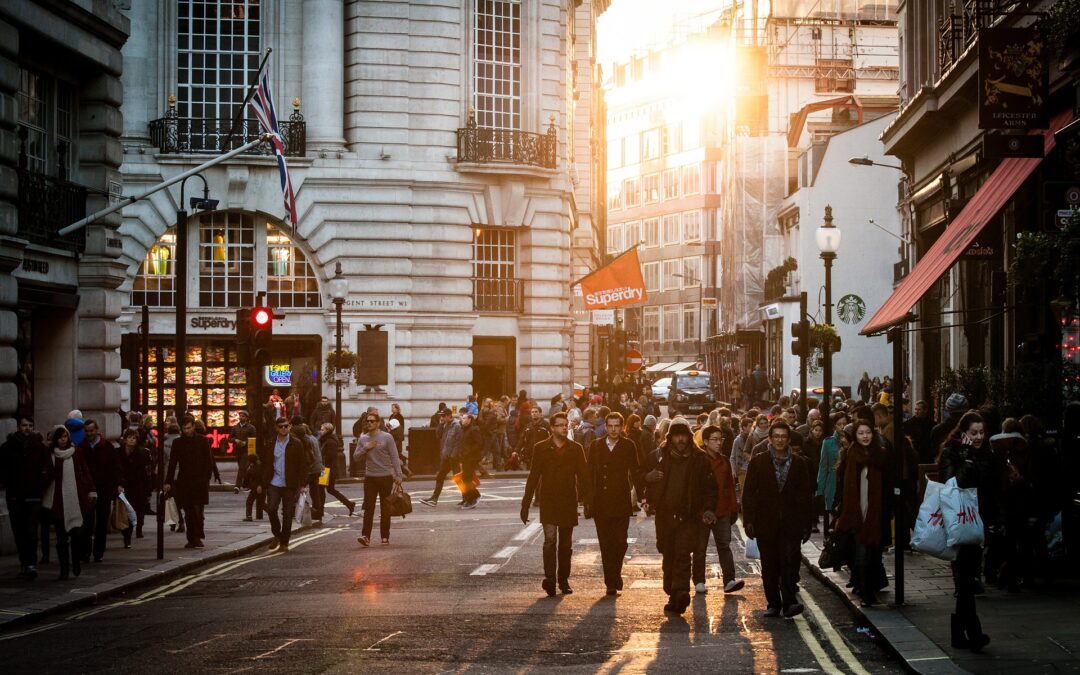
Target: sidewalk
(227,536)
(1037,630)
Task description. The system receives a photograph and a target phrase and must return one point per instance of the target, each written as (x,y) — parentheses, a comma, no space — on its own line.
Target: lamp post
(339,288)
(182,286)
(828,242)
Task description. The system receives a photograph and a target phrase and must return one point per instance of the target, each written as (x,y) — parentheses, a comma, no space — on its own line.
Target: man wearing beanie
(955,406)
(683,491)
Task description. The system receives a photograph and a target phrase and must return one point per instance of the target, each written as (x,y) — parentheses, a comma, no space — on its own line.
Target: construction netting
(851,10)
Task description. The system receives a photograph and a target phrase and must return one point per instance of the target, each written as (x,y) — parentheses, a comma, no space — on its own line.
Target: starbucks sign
(851,308)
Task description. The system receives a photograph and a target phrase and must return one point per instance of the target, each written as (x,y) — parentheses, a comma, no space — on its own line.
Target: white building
(862,273)
(430,153)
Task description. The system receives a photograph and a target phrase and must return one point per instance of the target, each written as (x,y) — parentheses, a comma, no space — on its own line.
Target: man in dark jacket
(25,472)
(191,464)
(919,428)
(104,461)
(238,439)
(614,470)
(323,413)
(559,470)
(472,452)
(449,434)
(536,431)
(955,406)
(683,492)
(778,512)
(285,472)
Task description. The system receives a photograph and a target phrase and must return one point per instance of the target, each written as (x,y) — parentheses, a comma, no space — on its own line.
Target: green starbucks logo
(851,308)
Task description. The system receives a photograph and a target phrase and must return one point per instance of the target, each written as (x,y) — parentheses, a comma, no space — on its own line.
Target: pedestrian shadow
(524,643)
(672,646)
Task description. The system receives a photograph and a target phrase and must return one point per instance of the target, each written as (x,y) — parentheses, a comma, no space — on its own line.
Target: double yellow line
(174,586)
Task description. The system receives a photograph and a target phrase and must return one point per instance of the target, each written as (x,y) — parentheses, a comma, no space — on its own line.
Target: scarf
(783,467)
(69,490)
(867,528)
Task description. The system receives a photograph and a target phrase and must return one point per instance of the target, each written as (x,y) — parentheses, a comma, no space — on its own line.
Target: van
(691,392)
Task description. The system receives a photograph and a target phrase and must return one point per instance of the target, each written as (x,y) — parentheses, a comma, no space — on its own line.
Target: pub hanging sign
(1013,80)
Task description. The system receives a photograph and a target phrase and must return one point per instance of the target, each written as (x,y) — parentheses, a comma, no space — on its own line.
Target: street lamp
(866,161)
(339,288)
(828,242)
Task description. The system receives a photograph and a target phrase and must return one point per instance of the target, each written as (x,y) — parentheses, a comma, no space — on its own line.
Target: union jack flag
(262,104)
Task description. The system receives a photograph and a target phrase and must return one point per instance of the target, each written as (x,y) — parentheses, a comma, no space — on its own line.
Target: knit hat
(650,422)
(679,425)
(956,403)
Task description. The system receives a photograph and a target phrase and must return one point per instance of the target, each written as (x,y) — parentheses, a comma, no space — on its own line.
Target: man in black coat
(683,491)
(536,431)
(285,465)
(104,462)
(778,511)
(613,466)
(191,465)
(25,471)
(560,471)
(238,439)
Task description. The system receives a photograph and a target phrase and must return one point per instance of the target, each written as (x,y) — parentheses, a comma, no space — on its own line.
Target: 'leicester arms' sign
(1013,81)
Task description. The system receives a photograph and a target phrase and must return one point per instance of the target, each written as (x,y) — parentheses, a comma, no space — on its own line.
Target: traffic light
(243,336)
(262,335)
(800,339)
(617,352)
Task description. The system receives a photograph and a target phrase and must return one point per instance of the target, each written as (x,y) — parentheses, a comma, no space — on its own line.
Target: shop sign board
(278,375)
(380,303)
(1013,78)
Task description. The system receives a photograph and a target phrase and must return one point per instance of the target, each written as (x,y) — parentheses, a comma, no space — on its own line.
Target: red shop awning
(990,198)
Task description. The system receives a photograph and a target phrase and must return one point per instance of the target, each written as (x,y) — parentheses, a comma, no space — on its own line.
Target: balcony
(480,145)
(172,134)
(956,32)
(46,204)
(498,295)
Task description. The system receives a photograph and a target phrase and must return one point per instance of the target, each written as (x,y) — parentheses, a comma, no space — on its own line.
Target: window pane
(497,72)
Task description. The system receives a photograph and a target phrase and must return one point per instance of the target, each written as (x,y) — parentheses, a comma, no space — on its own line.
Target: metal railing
(498,295)
(481,145)
(172,134)
(46,204)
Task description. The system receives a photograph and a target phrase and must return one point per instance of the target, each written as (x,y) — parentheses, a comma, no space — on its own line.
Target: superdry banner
(1013,79)
(618,284)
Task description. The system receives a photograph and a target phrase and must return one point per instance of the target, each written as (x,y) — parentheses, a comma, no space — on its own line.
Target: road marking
(277,649)
(833,636)
(484,570)
(372,648)
(815,647)
(200,644)
(530,530)
(506,552)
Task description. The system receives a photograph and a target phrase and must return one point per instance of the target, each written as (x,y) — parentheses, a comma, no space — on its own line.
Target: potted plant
(343,363)
(824,335)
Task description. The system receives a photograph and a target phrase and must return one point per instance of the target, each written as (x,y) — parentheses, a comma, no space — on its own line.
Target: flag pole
(247,98)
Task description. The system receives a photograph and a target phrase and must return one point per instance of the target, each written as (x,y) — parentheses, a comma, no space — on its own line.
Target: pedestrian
(955,406)
(238,439)
(918,428)
(536,431)
(472,452)
(285,464)
(136,468)
(863,389)
(759,385)
(68,499)
(104,462)
(825,491)
(741,450)
(966,456)
(560,475)
(501,422)
(683,492)
(725,512)
(777,511)
(1018,498)
(585,434)
(383,472)
(449,435)
(293,407)
(315,491)
(25,472)
(487,423)
(614,470)
(323,413)
(333,457)
(191,465)
(864,508)
(253,483)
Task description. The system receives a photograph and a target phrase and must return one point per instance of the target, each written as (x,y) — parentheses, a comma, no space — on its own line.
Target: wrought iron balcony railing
(481,145)
(46,204)
(498,295)
(172,134)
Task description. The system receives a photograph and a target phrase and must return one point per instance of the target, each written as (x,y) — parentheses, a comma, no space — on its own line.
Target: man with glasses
(778,512)
(726,511)
(450,435)
(559,470)
(285,471)
(382,472)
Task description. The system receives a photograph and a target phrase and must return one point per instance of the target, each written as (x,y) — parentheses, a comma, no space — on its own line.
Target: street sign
(709,302)
(634,360)
(603,317)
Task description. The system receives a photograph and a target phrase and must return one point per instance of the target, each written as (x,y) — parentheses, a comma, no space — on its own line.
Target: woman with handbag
(68,497)
(827,463)
(333,456)
(135,468)
(967,457)
(863,509)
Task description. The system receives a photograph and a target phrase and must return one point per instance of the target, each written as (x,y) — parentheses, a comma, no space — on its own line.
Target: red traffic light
(261,316)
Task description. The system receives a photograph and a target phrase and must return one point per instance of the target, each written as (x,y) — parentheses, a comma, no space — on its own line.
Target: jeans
(612,535)
(256,499)
(558,549)
(721,533)
(377,486)
(446,467)
(24,526)
(282,498)
(63,537)
(318,498)
(331,489)
(194,518)
(780,559)
(96,527)
(676,540)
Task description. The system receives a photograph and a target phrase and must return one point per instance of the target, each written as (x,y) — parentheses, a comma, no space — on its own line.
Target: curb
(918,653)
(166,570)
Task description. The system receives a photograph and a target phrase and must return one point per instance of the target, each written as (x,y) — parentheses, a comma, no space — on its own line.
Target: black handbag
(837,550)
(400,503)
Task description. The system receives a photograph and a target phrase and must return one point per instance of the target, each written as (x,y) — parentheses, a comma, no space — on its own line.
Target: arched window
(229,244)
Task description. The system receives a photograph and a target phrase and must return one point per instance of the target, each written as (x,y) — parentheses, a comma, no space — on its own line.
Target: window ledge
(200,158)
(506,169)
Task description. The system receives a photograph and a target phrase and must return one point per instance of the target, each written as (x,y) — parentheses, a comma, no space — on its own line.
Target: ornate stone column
(324,75)
(10,246)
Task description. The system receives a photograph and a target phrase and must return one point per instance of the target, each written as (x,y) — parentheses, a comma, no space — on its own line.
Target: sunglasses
(284,425)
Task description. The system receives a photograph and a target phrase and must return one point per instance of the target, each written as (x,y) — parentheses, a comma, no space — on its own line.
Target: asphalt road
(455,591)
